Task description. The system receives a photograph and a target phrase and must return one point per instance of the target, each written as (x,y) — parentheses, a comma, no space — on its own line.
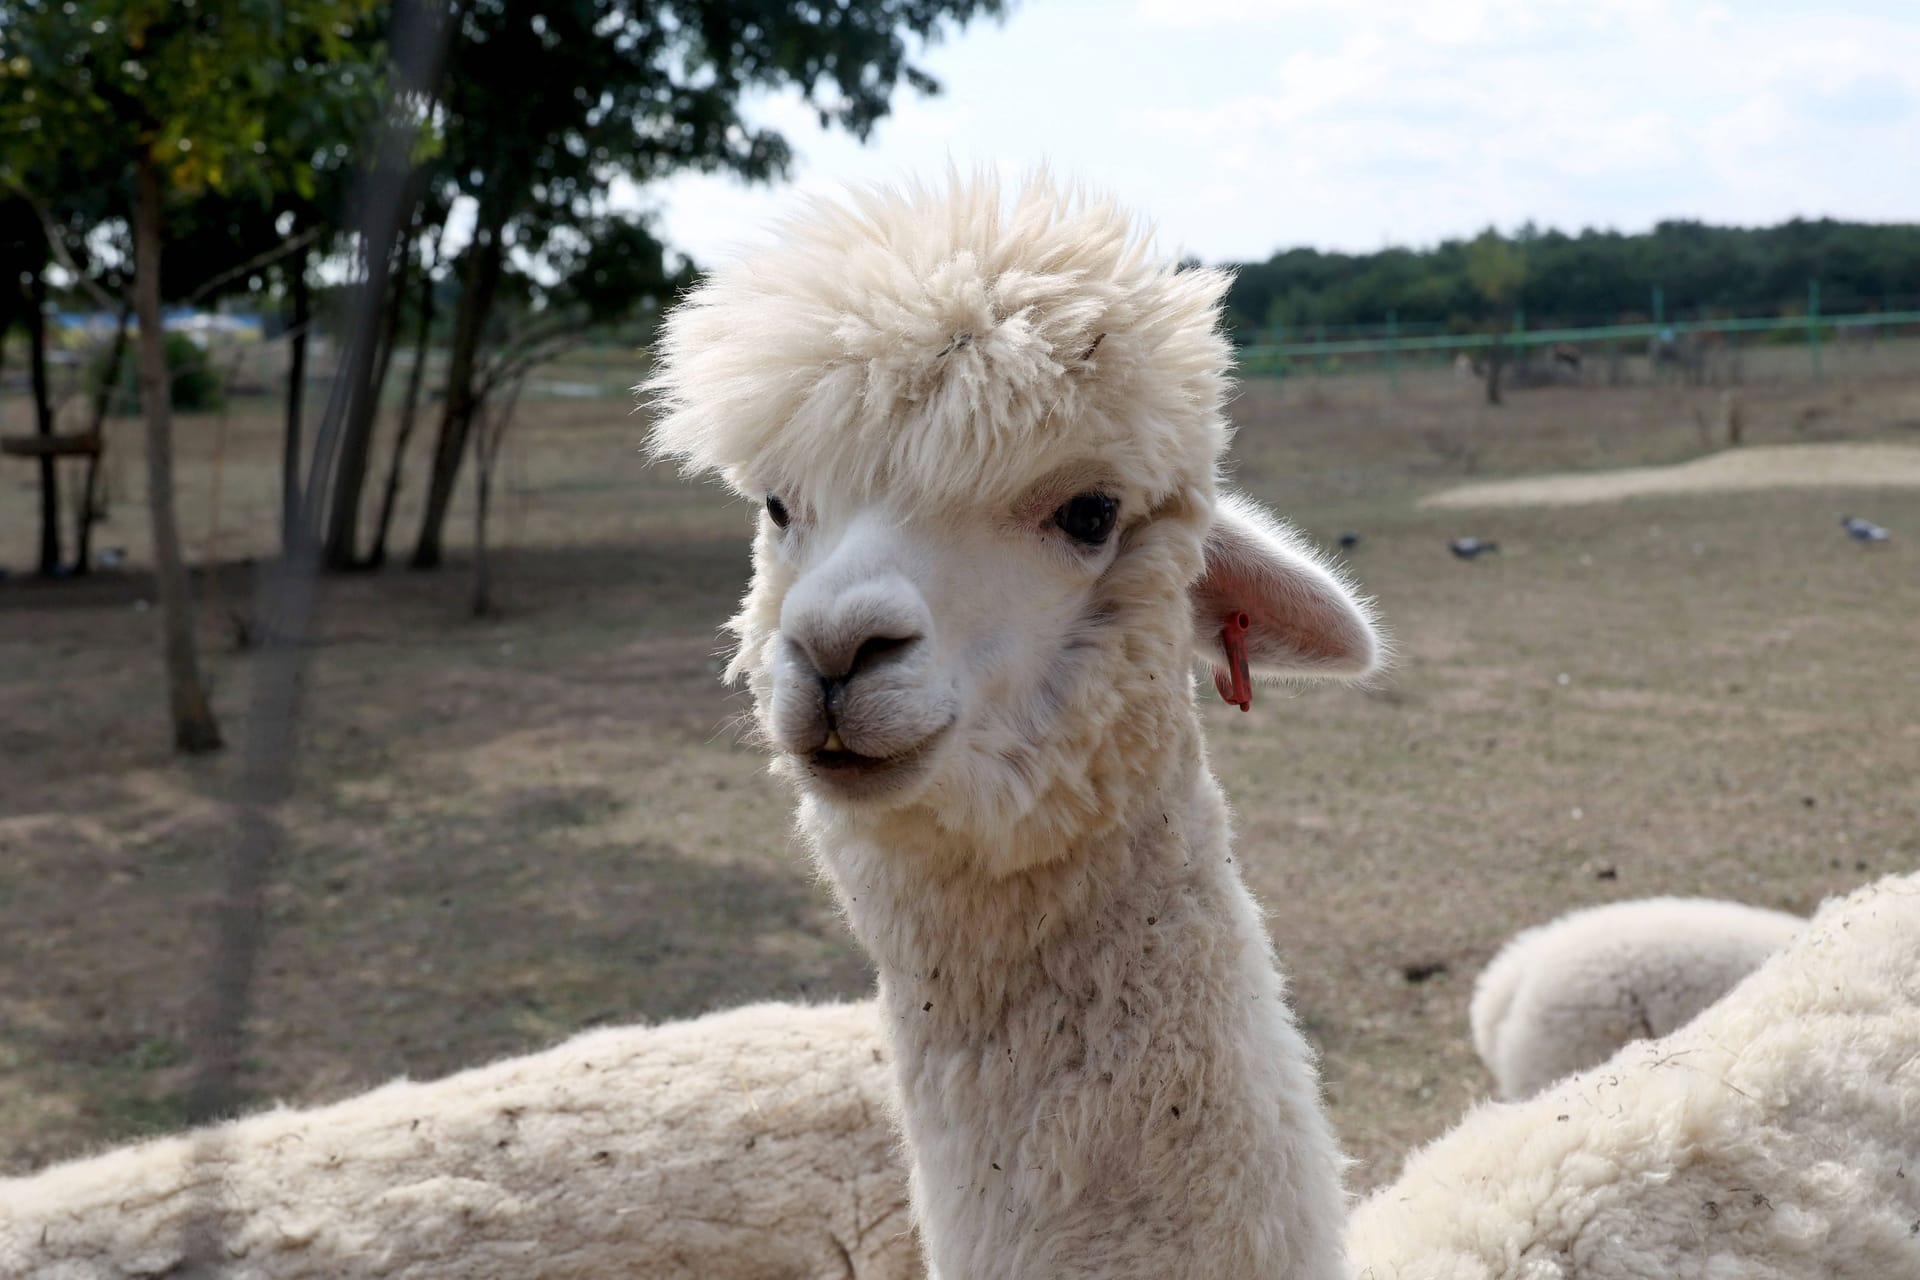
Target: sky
(1241,127)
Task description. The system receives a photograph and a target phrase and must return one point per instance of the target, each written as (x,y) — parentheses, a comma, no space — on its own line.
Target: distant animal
(1566,355)
(1349,540)
(1863,530)
(1468,548)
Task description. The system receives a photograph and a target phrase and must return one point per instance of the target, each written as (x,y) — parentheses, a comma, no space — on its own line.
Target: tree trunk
(365,373)
(1496,363)
(290,452)
(43,423)
(486,450)
(89,489)
(480,281)
(356,436)
(194,728)
(423,334)
(481,600)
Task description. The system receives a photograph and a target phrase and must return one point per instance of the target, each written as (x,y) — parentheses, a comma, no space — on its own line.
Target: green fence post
(1813,325)
(1393,350)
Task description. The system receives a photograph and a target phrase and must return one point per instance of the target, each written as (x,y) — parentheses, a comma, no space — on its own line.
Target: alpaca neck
(1099,1075)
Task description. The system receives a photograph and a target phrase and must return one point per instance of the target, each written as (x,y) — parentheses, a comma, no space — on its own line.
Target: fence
(1703,351)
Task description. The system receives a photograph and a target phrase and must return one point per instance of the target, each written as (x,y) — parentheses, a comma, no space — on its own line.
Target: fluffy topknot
(946,345)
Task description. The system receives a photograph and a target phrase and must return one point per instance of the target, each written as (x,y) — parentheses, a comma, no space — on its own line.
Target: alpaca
(985,441)
(747,1145)
(1565,995)
(1768,1139)
(1771,1138)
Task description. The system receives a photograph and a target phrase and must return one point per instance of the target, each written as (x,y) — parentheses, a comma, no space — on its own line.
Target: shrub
(196,388)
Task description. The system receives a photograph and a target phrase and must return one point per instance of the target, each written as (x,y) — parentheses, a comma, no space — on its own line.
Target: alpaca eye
(778,510)
(1087,517)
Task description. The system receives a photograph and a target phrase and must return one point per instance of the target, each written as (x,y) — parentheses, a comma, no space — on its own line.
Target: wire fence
(1711,350)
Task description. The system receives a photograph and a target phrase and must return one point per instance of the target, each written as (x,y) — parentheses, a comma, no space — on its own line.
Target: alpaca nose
(870,652)
(844,637)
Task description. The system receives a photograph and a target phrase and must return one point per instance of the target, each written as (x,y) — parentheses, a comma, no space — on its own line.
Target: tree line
(452,160)
(1595,277)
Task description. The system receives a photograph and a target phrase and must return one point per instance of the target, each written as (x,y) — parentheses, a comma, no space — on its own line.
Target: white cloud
(1242,126)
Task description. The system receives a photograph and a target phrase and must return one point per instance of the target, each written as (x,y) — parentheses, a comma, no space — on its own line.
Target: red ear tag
(1236,682)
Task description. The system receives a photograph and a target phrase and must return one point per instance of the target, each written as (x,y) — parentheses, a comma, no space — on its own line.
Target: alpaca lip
(854,776)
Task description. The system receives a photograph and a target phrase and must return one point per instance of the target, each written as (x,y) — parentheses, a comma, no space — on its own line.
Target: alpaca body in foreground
(986,441)
(748,1145)
(1773,1137)
(1769,1139)
(1565,995)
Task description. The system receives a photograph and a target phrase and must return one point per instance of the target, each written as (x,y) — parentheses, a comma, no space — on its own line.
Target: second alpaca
(1563,996)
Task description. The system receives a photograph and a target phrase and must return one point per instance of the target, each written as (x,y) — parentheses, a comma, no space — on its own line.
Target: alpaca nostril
(873,650)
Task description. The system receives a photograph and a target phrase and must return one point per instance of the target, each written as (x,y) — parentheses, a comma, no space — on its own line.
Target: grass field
(508,829)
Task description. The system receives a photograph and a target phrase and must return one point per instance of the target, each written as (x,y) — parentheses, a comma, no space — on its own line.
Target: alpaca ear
(1300,618)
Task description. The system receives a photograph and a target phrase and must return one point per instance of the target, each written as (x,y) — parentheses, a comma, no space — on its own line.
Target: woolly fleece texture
(1566,995)
(942,347)
(1774,1137)
(1100,1076)
(748,1145)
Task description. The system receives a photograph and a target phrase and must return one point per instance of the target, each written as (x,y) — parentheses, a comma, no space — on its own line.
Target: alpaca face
(976,662)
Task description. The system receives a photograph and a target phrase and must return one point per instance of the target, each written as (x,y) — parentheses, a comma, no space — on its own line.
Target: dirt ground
(508,829)
(1755,469)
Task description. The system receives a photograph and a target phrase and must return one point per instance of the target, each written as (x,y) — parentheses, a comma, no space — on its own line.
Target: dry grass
(506,830)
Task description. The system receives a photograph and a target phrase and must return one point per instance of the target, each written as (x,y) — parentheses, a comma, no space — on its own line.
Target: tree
(606,89)
(172,100)
(1497,269)
(430,249)
(23,249)
(609,269)
(1592,277)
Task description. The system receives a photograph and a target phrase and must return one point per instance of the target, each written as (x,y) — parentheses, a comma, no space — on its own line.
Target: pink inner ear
(1301,619)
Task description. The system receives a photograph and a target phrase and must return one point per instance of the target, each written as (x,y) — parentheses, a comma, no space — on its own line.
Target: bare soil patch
(1783,466)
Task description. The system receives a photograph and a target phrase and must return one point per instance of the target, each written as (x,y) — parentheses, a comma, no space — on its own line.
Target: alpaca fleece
(748,1145)
(1774,1137)
(941,345)
(1099,1073)
(1567,994)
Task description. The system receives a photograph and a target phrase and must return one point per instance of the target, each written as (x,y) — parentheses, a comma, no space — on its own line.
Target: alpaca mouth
(850,775)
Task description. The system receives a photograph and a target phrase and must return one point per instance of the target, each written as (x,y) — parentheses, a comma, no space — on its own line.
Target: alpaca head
(984,435)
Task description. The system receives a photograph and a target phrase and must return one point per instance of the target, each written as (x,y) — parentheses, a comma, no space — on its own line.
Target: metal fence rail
(1324,355)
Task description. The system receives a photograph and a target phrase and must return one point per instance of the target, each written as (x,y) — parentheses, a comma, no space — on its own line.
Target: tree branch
(264,259)
(57,243)
(507,368)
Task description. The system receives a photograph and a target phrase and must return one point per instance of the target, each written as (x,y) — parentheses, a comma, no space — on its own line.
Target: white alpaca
(1771,1138)
(749,1145)
(1565,995)
(986,441)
